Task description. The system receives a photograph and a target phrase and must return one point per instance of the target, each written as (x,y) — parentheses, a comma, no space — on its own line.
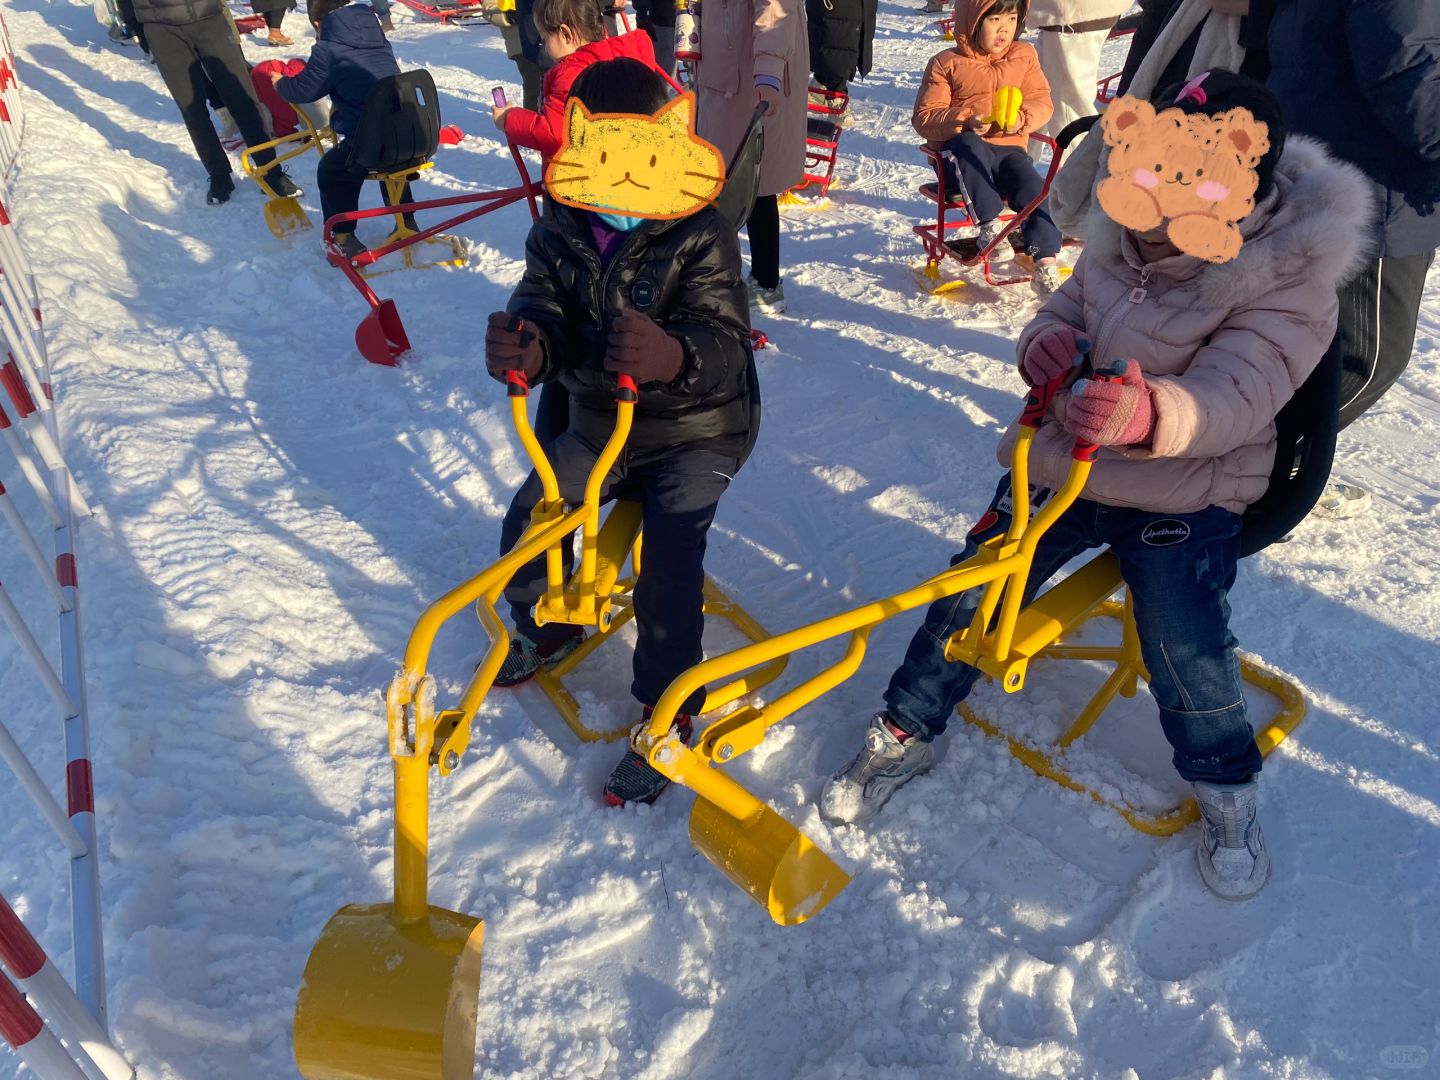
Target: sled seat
(398,134)
(822,132)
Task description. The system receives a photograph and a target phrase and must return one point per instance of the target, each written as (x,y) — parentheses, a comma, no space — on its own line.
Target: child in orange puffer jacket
(952,113)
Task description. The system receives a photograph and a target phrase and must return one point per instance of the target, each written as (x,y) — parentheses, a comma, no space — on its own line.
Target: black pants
(679,489)
(763,228)
(340,182)
(1378,313)
(273,19)
(991,174)
(191,59)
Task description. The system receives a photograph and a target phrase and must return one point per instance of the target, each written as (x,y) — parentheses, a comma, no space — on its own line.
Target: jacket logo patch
(1165,532)
(642,294)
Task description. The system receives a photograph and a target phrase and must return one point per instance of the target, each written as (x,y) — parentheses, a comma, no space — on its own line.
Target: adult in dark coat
(194,46)
(1363,77)
(350,56)
(842,33)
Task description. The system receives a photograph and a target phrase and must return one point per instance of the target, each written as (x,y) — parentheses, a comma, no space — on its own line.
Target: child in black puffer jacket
(664,302)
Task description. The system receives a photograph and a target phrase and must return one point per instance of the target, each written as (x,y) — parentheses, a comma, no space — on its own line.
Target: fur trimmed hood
(1315,226)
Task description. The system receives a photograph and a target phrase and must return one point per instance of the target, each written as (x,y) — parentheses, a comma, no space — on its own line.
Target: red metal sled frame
(932,236)
(381,336)
(464,9)
(819,151)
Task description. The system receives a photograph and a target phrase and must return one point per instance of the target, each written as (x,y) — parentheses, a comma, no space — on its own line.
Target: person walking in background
(194,46)
(657,18)
(1379,64)
(1068,37)
(754,51)
(842,33)
(274,12)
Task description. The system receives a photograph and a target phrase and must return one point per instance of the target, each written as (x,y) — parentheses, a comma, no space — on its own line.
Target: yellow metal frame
(1064,614)
(284,215)
(394,183)
(1001,640)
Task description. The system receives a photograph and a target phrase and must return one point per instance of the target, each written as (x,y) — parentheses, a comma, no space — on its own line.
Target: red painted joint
(19,1023)
(18,948)
(80,787)
(66,572)
(14,384)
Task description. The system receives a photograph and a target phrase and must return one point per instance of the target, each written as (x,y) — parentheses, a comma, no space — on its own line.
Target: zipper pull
(1137,295)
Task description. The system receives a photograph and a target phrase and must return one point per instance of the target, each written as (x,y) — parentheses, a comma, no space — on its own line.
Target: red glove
(1115,412)
(1052,354)
(641,349)
(511,346)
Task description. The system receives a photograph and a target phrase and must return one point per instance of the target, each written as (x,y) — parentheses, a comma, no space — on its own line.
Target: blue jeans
(994,175)
(678,490)
(1179,569)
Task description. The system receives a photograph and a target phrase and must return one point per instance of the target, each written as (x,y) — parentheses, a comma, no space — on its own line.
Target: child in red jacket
(573,36)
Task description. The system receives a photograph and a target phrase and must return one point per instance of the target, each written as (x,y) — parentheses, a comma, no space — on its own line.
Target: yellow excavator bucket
(774,862)
(384,999)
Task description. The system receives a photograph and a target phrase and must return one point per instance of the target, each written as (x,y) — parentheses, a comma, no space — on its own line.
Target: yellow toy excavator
(390,989)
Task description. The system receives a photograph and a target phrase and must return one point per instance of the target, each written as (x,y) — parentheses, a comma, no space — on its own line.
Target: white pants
(1071,65)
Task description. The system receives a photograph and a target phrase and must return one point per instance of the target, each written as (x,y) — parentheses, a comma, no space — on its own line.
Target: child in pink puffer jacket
(1205,354)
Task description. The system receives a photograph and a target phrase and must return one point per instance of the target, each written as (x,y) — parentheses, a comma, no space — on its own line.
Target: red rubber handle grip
(625,389)
(516,384)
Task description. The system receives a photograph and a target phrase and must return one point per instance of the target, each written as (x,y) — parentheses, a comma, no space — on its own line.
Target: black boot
(222,186)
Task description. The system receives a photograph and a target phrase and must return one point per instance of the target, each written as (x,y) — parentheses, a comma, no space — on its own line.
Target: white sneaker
(857,792)
(1234,861)
(986,233)
(1047,277)
(767,301)
(1342,501)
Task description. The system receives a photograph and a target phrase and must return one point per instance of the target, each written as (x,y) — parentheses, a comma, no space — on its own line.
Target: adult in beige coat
(753,51)
(1068,35)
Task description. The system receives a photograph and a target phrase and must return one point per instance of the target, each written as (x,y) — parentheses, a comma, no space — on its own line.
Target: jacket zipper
(1107,325)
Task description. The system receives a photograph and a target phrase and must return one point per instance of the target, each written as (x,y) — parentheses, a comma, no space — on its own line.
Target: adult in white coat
(1068,35)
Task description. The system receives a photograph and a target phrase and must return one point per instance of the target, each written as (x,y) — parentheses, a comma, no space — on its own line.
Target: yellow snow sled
(390,990)
(769,858)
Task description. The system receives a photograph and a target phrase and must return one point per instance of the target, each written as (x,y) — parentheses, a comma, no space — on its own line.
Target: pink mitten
(1052,354)
(1115,412)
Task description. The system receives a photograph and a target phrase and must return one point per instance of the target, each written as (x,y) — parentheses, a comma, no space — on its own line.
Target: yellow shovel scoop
(1005,107)
(390,991)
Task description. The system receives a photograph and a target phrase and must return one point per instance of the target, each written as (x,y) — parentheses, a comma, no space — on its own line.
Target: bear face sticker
(1165,532)
(1195,175)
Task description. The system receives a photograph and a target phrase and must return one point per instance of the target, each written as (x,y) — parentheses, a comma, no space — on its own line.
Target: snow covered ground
(274,513)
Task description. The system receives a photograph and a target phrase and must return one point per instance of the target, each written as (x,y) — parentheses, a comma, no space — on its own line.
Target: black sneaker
(634,780)
(221,188)
(526,657)
(350,245)
(283,186)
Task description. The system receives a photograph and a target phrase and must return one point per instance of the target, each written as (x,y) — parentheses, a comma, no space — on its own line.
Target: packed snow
(273,513)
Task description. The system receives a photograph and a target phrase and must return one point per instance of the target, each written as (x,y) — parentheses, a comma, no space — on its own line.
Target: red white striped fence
(59,1031)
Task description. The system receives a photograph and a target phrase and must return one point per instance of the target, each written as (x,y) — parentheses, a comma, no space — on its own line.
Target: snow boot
(1234,861)
(283,186)
(768,301)
(526,657)
(1047,277)
(884,764)
(634,780)
(350,245)
(986,233)
(1340,502)
(222,186)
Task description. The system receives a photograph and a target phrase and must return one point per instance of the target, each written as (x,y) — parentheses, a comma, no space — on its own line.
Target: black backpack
(400,125)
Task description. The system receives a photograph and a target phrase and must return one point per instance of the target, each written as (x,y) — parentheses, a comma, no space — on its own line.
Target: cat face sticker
(637,165)
(1194,174)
